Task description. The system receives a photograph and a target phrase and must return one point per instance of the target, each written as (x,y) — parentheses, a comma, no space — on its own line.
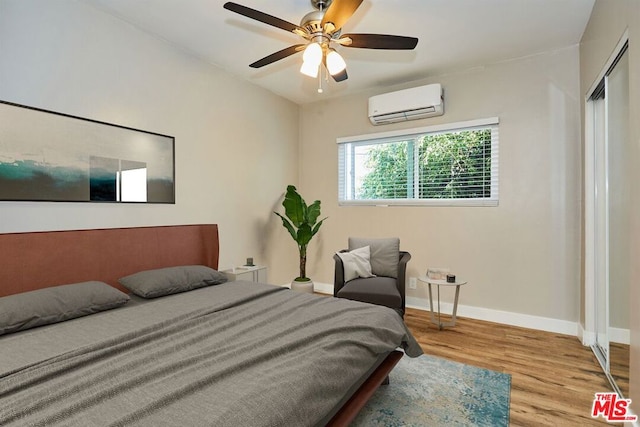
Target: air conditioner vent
(408,104)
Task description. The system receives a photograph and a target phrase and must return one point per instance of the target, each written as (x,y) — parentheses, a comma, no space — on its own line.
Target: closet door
(619,160)
(607,225)
(601,231)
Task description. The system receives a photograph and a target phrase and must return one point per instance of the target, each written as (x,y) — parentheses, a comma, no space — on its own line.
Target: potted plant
(302,223)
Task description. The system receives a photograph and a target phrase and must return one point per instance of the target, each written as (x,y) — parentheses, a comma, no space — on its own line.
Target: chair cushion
(385,254)
(374,290)
(356,263)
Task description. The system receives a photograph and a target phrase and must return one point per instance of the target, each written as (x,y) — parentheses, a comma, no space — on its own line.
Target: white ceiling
(453,34)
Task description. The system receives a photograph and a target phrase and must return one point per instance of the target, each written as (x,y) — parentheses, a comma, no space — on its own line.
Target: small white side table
(429,281)
(254,273)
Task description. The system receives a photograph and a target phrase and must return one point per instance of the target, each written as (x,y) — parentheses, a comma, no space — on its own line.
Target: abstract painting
(50,156)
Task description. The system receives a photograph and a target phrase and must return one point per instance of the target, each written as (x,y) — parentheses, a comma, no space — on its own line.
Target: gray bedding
(237,354)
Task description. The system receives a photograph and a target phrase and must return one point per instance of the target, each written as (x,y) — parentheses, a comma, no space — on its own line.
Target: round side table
(438,282)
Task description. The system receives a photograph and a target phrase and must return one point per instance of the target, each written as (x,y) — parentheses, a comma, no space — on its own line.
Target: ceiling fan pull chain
(320,81)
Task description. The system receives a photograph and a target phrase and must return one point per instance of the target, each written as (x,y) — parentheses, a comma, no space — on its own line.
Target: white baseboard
(504,317)
(547,324)
(616,335)
(508,318)
(587,338)
(323,288)
(620,336)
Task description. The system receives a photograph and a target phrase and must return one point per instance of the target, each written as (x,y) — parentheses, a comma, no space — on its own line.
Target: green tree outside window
(449,165)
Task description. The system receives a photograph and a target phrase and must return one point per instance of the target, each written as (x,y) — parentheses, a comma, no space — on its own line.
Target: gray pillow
(385,254)
(171,280)
(57,304)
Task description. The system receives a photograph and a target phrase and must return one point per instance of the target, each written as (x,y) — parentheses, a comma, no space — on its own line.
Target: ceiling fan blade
(339,12)
(379,41)
(260,16)
(281,54)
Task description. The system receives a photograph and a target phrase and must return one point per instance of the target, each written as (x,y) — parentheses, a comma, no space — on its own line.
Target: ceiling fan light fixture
(312,53)
(310,69)
(335,62)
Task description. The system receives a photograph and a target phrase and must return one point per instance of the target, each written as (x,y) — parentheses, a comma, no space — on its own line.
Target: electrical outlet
(413,283)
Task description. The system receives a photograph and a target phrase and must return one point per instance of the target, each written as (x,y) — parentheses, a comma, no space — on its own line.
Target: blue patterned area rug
(431,391)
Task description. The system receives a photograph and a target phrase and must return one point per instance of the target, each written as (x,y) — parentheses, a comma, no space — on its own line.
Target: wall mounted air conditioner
(408,104)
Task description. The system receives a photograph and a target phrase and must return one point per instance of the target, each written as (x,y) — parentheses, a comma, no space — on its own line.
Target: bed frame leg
(386,381)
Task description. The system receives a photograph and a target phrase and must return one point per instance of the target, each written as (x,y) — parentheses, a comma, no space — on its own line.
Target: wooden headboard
(30,261)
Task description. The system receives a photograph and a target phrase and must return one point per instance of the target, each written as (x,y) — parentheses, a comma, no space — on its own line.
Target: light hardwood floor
(553,376)
(620,357)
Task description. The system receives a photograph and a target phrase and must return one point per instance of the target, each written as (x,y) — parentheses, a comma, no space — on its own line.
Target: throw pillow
(356,263)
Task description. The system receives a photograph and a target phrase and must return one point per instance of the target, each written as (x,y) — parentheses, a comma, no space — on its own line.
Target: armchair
(388,264)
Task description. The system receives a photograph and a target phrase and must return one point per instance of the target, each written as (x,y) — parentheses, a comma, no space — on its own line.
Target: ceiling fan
(320,29)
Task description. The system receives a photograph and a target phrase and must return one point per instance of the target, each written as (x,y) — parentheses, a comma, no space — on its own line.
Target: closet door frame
(596,262)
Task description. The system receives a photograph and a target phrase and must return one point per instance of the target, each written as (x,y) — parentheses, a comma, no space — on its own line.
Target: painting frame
(48,156)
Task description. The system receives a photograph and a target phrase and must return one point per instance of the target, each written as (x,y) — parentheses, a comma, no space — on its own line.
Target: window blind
(455,164)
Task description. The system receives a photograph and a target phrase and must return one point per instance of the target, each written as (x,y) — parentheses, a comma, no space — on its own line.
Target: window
(455,164)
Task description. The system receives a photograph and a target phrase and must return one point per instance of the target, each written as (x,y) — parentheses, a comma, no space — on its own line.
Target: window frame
(345,179)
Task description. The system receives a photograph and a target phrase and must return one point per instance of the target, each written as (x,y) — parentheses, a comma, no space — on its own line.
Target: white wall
(522,256)
(236,144)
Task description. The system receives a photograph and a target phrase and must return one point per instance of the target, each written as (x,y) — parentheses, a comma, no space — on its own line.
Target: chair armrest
(402,275)
(338,277)
(404,259)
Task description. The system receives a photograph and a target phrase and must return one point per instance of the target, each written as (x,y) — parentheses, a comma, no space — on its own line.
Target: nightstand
(254,273)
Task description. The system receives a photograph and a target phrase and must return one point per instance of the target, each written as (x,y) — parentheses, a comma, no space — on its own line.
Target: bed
(227,354)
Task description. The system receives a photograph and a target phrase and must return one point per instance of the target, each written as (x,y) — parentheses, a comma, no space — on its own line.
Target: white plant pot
(302,286)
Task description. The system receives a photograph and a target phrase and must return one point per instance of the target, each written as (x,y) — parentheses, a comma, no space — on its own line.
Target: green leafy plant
(450,165)
(302,223)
